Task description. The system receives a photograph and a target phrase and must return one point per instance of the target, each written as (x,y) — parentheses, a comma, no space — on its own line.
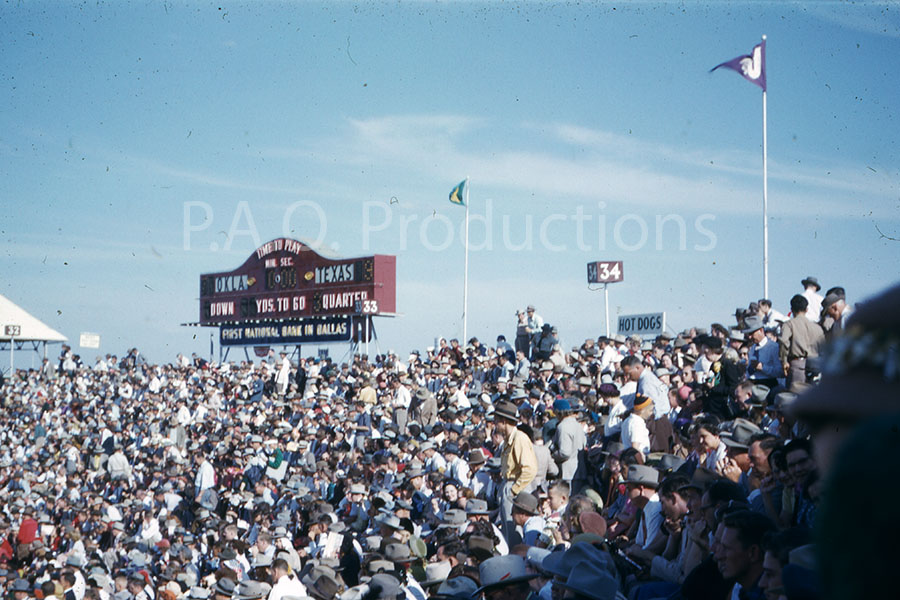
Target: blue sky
(122,125)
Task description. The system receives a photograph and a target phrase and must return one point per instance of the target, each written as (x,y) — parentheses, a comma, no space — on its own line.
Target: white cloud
(621,170)
(615,168)
(415,126)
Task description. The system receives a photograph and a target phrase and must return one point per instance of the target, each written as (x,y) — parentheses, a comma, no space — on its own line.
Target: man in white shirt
(285,585)
(283,379)
(75,562)
(607,352)
(117,466)
(457,468)
(400,403)
(811,289)
(154,385)
(263,547)
(456,397)
(617,409)
(206,475)
(634,428)
(535,321)
(184,414)
(434,461)
(149,532)
(772,319)
(480,480)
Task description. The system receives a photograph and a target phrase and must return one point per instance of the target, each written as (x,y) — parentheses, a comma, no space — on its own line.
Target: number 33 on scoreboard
(369,307)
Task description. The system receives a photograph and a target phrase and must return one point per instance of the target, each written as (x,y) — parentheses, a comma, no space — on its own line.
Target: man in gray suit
(425,408)
(546,466)
(305,456)
(569,440)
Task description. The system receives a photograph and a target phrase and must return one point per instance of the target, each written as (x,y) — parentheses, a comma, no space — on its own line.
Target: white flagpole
(465,339)
(765,199)
(606,305)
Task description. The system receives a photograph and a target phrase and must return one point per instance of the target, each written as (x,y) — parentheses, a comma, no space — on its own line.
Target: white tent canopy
(31,329)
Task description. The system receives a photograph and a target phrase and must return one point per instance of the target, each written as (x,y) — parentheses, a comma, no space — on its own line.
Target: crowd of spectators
(749,459)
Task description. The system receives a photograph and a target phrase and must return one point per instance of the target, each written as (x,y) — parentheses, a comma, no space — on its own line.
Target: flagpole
(765,197)
(465,339)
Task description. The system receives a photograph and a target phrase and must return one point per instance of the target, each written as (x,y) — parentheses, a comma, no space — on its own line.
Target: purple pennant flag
(752,66)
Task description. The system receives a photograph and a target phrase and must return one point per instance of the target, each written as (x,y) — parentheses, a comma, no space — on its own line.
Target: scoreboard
(285,279)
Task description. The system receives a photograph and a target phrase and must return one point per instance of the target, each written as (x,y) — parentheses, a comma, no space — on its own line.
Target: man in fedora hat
(384,586)
(435,574)
(641,484)
(763,365)
(568,441)
(589,580)
(477,511)
(424,408)
(421,492)
(526,516)
(811,289)
(198,593)
(224,589)
(737,461)
(325,587)
(21,589)
(354,508)
(835,307)
(518,464)
(504,578)
(250,589)
(479,479)
(403,559)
